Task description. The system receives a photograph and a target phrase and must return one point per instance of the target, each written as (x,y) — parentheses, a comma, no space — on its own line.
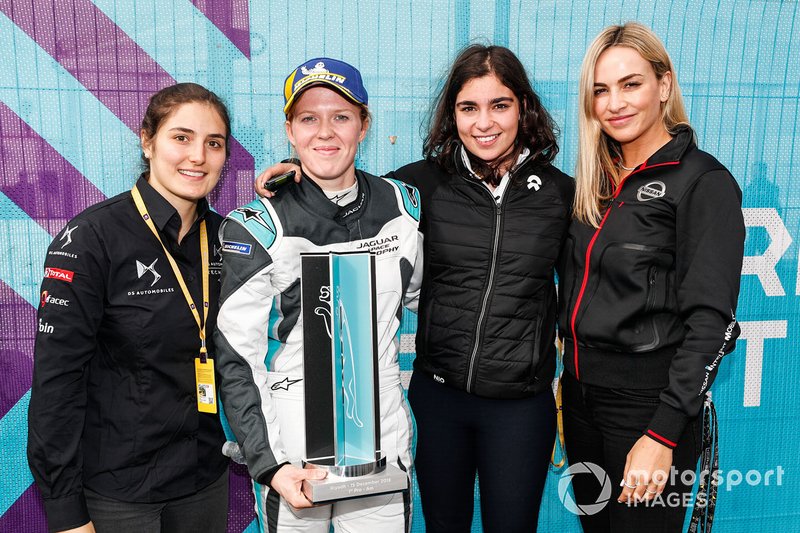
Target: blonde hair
(596,172)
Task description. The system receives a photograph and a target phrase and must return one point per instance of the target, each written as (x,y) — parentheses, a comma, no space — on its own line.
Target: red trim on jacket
(588,256)
(662,440)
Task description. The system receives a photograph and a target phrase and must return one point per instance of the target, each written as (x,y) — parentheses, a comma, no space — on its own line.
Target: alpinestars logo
(412,194)
(66,237)
(141,268)
(252,214)
(284,384)
(651,191)
(534,182)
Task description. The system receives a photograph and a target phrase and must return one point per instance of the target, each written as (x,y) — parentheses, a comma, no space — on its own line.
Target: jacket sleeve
(69,315)
(710,245)
(242,342)
(411,300)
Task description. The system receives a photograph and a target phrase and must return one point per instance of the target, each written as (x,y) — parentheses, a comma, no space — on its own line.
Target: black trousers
(507,442)
(205,511)
(601,425)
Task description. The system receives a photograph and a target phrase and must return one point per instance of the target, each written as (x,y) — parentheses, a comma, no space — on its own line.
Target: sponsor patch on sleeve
(233,247)
(58,273)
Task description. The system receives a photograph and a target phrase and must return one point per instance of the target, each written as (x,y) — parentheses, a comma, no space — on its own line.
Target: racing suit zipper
(587,257)
(488,290)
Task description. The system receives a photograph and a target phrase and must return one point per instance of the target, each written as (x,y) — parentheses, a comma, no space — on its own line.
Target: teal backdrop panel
(75,76)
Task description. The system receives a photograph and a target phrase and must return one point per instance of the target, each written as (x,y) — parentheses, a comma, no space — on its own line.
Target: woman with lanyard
(124,434)
(648,288)
(494,215)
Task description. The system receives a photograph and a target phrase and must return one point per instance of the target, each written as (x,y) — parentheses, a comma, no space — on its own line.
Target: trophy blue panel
(352,276)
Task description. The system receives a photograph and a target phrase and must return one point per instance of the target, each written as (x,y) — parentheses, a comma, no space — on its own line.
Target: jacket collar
(463,168)
(674,150)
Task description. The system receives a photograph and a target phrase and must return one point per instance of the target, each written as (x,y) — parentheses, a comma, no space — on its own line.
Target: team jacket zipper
(488,289)
(587,258)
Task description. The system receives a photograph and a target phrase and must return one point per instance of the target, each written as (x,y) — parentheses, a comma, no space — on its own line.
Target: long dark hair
(537,130)
(168,99)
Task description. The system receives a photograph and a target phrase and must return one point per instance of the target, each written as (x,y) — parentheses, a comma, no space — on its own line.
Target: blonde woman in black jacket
(649,285)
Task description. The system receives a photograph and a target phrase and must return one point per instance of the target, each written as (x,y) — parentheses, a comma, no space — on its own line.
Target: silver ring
(629,486)
(651,491)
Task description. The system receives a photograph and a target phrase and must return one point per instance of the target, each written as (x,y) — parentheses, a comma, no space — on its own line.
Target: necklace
(623,167)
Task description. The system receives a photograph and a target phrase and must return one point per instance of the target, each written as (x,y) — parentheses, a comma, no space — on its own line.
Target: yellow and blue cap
(340,76)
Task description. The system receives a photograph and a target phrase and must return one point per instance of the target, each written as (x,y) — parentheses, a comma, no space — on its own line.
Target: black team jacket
(648,300)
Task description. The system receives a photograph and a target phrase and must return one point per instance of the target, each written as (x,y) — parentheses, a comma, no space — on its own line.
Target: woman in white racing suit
(259,336)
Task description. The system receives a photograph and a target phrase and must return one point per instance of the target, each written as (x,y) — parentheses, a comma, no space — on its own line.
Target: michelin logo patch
(240,248)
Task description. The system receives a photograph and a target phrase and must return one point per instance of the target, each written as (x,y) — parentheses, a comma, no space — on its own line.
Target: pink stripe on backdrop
(36,178)
(94,50)
(232,17)
(26,514)
(118,72)
(241,512)
(17,330)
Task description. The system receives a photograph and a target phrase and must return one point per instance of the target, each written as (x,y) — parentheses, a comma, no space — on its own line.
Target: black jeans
(508,443)
(206,511)
(601,425)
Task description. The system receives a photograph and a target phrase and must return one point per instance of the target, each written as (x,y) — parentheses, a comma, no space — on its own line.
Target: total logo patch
(48,298)
(58,273)
(651,191)
(241,248)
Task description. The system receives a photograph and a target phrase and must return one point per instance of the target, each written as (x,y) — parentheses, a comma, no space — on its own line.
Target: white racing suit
(259,335)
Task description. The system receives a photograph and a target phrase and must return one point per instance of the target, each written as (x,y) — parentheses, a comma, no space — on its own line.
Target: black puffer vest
(487,312)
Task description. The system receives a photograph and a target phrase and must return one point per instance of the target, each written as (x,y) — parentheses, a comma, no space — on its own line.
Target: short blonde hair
(596,172)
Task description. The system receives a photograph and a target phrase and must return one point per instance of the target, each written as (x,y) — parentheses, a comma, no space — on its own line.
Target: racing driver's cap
(338,75)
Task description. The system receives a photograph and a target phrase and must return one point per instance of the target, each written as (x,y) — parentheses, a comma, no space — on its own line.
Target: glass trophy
(340,358)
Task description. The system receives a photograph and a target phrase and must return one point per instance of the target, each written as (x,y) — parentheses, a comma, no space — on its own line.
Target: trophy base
(334,488)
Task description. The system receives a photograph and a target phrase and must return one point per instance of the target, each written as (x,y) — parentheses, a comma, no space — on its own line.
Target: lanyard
(137,199)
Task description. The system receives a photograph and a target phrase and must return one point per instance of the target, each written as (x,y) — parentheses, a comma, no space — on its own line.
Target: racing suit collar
(311,195)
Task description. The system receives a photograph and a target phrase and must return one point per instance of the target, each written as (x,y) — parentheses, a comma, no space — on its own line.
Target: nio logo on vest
(438,379)
(534,182)
(651,191)
(380,246)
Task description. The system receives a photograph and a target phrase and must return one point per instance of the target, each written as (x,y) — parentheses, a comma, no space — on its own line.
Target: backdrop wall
(75,76)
